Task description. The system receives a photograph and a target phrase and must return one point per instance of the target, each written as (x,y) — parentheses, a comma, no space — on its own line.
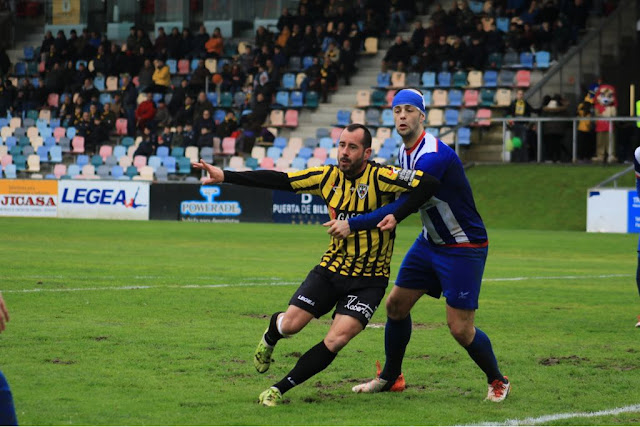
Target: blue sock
(397,334)
(481,352)
(638,273)
(7,411)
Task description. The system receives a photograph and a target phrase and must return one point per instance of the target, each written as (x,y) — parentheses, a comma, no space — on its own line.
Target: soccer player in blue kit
(636,165)
(448,256)
(7,410)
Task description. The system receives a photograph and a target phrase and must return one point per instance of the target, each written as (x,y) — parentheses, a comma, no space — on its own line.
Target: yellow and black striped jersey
(365,252)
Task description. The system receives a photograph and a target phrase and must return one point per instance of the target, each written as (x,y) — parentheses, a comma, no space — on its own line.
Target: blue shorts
(455,272)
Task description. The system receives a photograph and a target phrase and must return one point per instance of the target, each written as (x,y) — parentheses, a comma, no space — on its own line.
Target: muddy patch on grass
(256,315)
(572,360)
(58,361)
(295,354)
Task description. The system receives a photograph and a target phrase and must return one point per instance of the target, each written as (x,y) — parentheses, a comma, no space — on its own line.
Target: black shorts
(358,297)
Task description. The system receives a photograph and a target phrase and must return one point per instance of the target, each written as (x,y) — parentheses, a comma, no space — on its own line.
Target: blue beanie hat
(409,97)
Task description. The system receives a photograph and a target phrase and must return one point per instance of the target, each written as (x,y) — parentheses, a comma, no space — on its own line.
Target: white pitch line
(277,283)
(555,417)
(130,288)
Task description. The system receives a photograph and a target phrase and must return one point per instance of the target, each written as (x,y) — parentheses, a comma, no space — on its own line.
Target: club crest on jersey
(363,189)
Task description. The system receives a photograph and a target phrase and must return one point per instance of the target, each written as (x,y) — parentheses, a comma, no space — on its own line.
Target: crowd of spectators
(462,39)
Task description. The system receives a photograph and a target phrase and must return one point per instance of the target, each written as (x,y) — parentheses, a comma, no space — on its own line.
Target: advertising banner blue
(295,208)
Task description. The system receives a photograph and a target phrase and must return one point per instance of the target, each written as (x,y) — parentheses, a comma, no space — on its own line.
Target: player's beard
(352,168)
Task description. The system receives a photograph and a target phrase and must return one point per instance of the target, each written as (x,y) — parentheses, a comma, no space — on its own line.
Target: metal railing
(574,128)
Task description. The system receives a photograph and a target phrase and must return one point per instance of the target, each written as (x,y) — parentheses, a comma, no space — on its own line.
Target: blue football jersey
(450,217)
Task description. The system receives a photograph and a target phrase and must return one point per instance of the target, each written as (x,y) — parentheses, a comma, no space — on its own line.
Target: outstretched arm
(263,179)
(4,314)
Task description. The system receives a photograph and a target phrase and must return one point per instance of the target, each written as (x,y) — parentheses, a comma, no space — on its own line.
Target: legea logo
(100,196)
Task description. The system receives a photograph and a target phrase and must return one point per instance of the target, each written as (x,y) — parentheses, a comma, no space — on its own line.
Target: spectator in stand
(205,138)
(177,138)
(228,126)
(294,42)
(236,79)
(5,63)
(184,116)
(131,40)
(465,19)
(145,75)
(417,37)
(84,125)
(347,61)
(263,37)
(161,77)
(51,57)
(259,112)
(476,55)
(148,144)
(54,80)
(173,43)
(283,37)
(457,54)
(188,136)
(520,108)
(425,55)
(328,79)
(47,42)
(514,7)
(202,104)
(355,38)
(199,77)
(341,33)
(160,44)
(215,45)
(279,59)
(162,118)
(177,99)
(79,77)
(5,99)
(401,12)
(129,95)
(98,136)
(397,55)
(246,60)
(88,91)
(303,18)
(199,41)
(116,105)
(70,50)
(530,16)
(332,54)
(442,54)
(586,135)
(94,39)
(186,44)
(165,139)
(108,118)
(285,20)
(262,56)
(142,40)
(66,111)
(544,37)
(493,40)
(562,38)
(146,112)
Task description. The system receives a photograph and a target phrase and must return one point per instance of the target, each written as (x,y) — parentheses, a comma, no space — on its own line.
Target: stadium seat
(413,80)
(276,118)
(53,100)
(505,78)
(467,116)
(139,161)
(444,79)
(10,171)
(282,99)
(503,97)
(435,117)
(383,80)
(439,98)
(184,165)
(96,160)
(343,117)
(289,81)
(105,151)
(487,97)
(146,174)
(162,151)
(59,170)
(451,117)
(154,162)
(299,163)
(358,116)
(398,79)
(184,67)
(459,79)
(103,171)
(291,119)
(543,59)
(335,133)
(111,161)
(121,126)
(523,78)
(363,98)
(371,46)
(372,117)
(428,79)
(206,153)
(511,59)
(191,153)
(295,63)
(447,135)
(463,136)
(526,60)
(226,100)
(267,163)
(455,97)
(280,142)
(55,153)
(296,99)
(170,164)
(77,143)
(427,96)
(482,116)
(378,98)
(470,98)
(33,163)
(131,171)
(494,61)
(387,117)
(312,99)
(229,146)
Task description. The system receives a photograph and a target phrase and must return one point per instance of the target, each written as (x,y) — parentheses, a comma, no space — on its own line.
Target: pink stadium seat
(320,153)
(139,162)
(59,169)
(390,94)
(78,144)
(523,78)
(267,163)
(184,67)
(7,159)
(121,126)
(484,114)
(228,146)
(106,151)
(291,118)
(335,133)
(471,98)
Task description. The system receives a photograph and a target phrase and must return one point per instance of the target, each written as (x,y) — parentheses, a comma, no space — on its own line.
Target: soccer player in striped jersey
(636,165)
(448,257)
(7,410)
(353,273)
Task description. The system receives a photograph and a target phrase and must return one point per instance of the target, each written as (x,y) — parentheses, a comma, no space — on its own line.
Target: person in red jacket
(145,112)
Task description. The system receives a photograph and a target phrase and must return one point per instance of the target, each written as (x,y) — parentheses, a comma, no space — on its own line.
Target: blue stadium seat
(305,153)
(506,78)
(387,117)
(29,53)
(299,163)
(322,133)
(331,161)
(428,79)
(184,165)
(326,143)
(282,98)
(426,95)
(43,153)
(444,79)
(55,153)
(10,171)
(502,24)
(177,152)
(451,117)
(383,80)
(310,142)
(98,82)
(511,59)
(372,117)
(343,117)
(170,164)
(20,69)
(289,81)
(297,99)
(213,98)
(490,78)
(280,142)
(433,131)
(526,60)
(117,172)
(542,59)
(463,136)
(173,65)
(307,62)
(161,152)
(49,141)
(82,160)
(475,6)
(455,97)
(274,152)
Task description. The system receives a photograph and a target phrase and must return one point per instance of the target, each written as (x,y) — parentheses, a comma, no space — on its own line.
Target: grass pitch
(156,322)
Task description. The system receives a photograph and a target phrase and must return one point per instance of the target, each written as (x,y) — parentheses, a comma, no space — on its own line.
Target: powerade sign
(298,208)
(103,199)
(209,208)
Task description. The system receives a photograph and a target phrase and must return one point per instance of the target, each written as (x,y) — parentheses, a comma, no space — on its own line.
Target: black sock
(313,361)
(481,352)
(397,334)
(272,335)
